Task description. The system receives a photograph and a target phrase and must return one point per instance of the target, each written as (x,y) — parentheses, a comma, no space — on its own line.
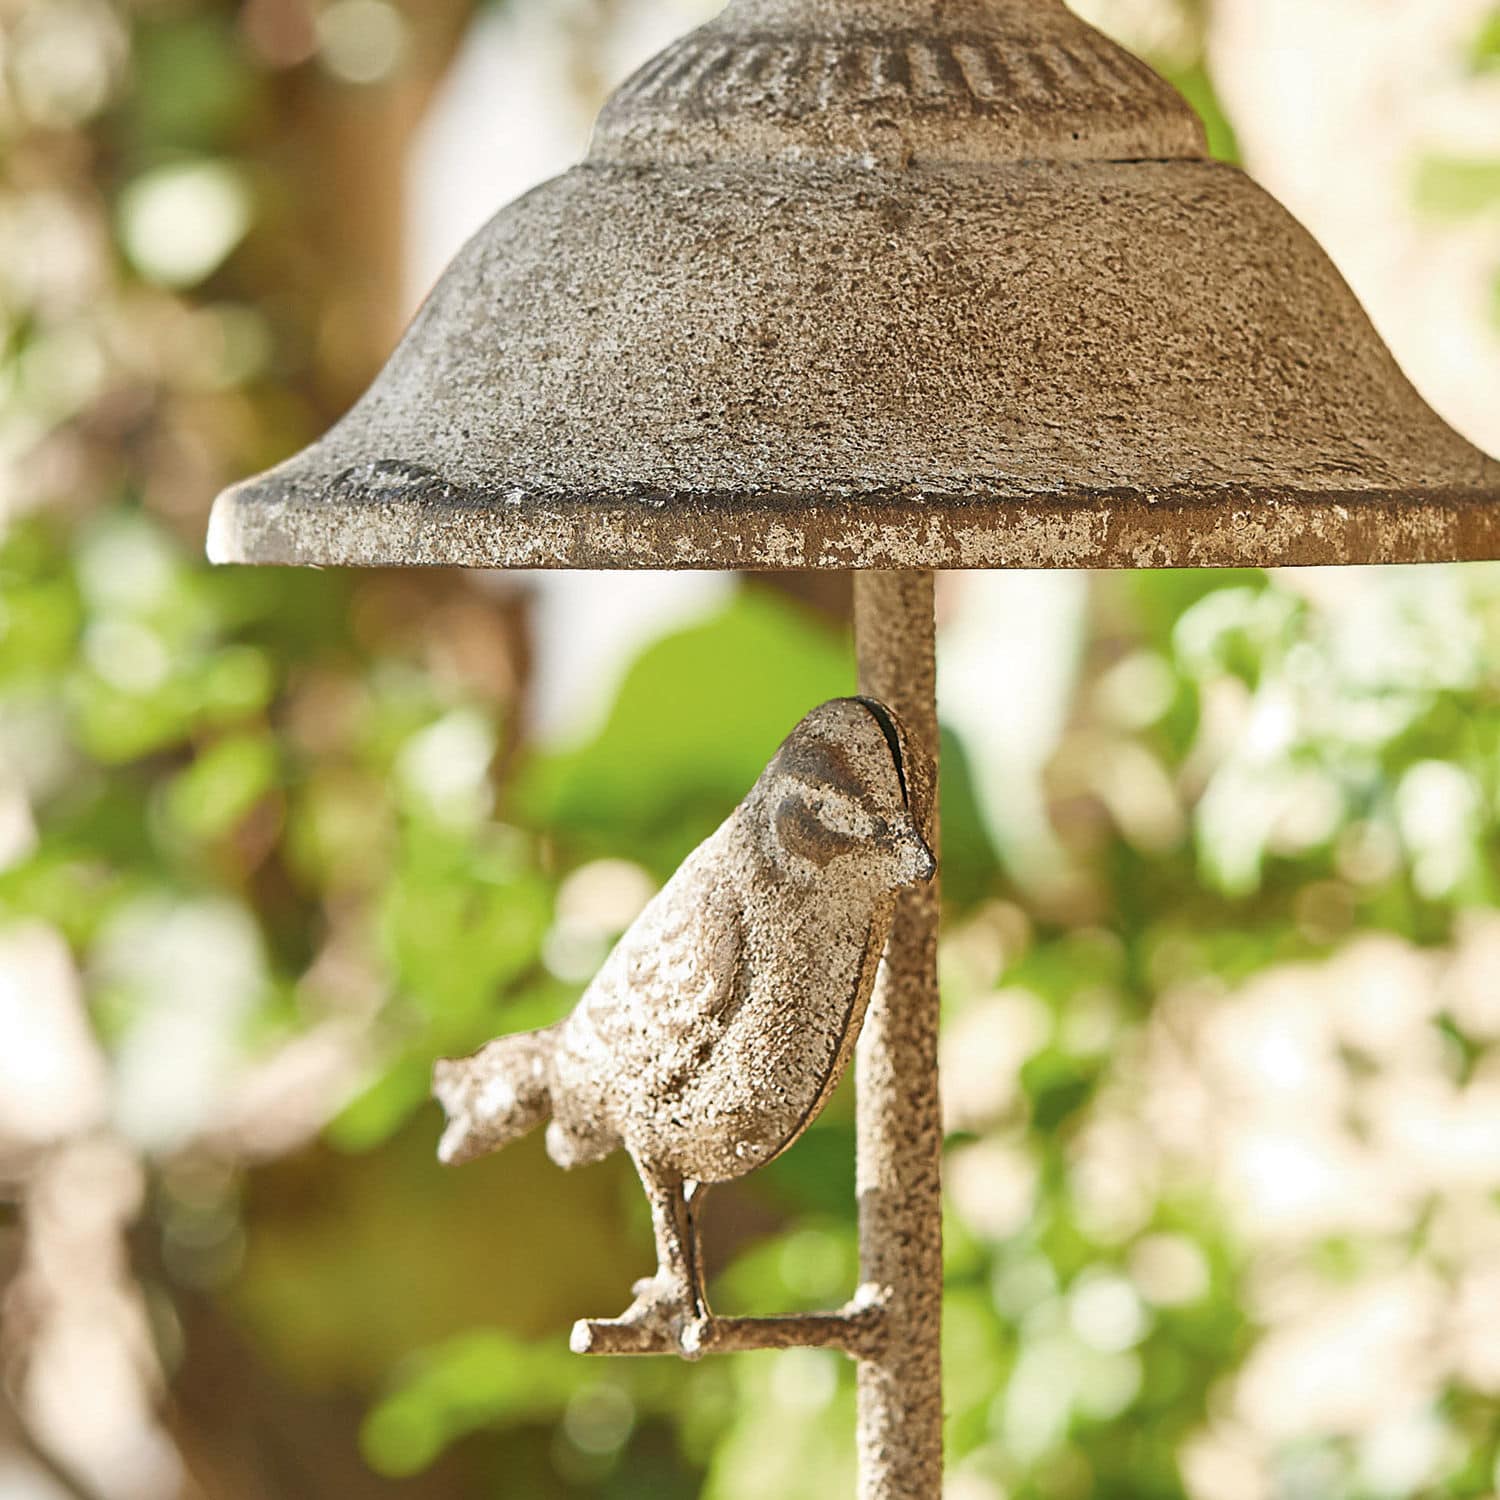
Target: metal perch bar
(857,1331)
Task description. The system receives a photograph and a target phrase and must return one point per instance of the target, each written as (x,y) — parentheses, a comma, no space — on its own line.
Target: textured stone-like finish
(1059,364)
(900,1119)
(870,81)
(860,284)
(721,1022)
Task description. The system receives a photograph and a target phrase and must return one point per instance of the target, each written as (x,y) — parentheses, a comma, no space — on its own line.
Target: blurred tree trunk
(248,1435)
(340,151)
(335,261)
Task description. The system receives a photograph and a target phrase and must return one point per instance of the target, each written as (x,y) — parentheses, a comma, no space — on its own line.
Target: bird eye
(802,833)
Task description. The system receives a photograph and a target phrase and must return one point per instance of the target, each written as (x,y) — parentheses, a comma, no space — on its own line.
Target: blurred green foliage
(1458,187)
(1484,51)
(637,786)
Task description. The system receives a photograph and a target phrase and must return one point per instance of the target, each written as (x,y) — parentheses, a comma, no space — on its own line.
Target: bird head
(838,798)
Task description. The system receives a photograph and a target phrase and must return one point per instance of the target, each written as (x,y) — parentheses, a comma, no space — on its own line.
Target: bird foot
(664,1317)
(666,1306)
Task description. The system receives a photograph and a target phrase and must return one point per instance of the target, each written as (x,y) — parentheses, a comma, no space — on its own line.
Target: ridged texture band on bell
(846,286)
(902,84)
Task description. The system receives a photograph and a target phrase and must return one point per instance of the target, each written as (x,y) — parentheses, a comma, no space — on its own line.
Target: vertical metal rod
(900,1125)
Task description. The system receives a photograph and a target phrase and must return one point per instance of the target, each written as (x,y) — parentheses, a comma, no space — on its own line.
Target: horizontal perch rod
(856,1331)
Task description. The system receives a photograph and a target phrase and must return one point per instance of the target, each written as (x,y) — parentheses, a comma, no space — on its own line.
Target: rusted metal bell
(883,284)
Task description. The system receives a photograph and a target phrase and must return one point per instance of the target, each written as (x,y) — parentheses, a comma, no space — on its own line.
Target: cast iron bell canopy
(884,284)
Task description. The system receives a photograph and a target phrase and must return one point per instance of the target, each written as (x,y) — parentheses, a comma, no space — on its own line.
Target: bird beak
(915,862)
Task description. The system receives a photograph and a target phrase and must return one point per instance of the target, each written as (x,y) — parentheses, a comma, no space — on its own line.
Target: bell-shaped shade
(884,284)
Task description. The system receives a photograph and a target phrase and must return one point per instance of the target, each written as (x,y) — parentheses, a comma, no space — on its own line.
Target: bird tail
(496,1096)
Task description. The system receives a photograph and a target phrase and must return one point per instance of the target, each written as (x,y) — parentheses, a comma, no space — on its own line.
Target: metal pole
(900,1126)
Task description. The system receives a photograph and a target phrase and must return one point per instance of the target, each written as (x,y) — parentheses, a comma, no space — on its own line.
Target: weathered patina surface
(900,1117)
(725,1016)
(873,285)
(885,285)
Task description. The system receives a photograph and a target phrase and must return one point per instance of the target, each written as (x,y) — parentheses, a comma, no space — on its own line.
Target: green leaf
(1484,50)
(193,85)
(1197,87)
(373,1116)
(222,785)
(1457,187)
(696,720)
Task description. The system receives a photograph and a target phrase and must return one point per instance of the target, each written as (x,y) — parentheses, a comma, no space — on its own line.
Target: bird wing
(671,984)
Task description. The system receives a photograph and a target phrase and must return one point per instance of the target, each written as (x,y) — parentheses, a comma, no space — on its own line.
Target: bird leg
(692,1200)
(677,1287)
(672,1302)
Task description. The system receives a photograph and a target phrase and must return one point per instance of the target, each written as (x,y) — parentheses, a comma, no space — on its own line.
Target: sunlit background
(1222,965)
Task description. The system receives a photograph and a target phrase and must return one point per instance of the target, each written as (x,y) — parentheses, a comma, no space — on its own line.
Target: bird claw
(690,1338)
(666,1312)
(695,1336)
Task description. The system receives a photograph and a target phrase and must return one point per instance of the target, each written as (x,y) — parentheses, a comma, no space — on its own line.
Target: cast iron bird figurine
(724,1017)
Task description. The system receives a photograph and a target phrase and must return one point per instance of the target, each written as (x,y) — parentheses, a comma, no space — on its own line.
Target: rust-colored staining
(1212,529)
